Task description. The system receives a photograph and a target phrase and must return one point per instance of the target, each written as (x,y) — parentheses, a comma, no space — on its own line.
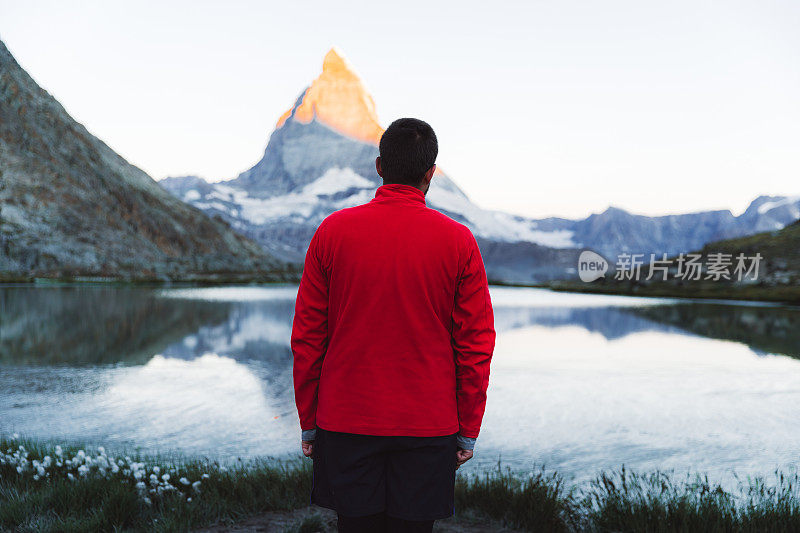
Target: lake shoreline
(44,486)
(788,295)
(205,280)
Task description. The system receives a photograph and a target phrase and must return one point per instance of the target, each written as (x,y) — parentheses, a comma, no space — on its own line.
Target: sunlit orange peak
(338,99)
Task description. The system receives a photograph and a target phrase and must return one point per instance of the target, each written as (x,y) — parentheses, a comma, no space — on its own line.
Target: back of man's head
(408,149)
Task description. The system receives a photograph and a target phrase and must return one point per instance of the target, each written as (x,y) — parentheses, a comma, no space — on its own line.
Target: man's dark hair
(408,150)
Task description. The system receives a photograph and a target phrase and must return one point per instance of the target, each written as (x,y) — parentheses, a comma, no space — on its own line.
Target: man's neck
(420,187)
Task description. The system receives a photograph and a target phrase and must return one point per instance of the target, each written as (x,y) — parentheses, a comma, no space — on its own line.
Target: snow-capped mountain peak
(338,99)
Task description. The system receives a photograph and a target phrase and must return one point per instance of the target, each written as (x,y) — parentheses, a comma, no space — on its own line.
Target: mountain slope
(780,251)
(71,206)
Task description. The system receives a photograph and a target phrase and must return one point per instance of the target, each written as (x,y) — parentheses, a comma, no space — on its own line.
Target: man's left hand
(462,456)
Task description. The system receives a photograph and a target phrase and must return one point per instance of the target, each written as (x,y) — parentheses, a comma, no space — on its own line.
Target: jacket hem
(391,431)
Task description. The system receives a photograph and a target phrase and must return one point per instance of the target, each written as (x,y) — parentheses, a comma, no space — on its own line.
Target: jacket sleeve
(473,341)
(310,334)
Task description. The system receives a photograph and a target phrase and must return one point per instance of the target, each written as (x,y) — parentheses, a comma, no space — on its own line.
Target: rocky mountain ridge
(70,206)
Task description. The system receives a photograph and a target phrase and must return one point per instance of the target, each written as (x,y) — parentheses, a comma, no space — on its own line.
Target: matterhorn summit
(338,99)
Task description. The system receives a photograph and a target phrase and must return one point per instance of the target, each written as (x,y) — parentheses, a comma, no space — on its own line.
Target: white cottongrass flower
(80,464)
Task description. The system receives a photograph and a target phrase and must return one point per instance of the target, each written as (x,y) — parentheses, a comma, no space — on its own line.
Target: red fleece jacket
(393,327)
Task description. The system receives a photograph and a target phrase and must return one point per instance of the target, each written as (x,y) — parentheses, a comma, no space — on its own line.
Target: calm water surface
(580,383)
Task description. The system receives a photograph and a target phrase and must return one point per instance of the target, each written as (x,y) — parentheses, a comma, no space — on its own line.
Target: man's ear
(429,175)
(378,166)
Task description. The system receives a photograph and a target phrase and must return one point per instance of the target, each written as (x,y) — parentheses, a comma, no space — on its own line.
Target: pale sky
(541,108)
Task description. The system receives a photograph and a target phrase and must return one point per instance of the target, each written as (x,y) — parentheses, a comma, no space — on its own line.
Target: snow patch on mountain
(336,180)
(337,188)
(789,200)
(496,225)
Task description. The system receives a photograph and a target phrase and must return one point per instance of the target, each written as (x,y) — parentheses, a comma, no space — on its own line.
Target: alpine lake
(579,383)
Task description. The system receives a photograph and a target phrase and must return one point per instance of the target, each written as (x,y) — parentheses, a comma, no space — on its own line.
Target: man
(392,338)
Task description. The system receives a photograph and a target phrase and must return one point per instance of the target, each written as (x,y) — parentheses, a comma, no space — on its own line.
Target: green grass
(310,524)
(655,502)
(538,502)
(96,503)
(621,501)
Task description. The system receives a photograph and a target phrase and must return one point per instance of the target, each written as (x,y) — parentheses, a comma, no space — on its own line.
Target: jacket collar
(399,192)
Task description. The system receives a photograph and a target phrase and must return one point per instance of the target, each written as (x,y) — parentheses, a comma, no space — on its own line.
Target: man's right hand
(462,456)
(308,448)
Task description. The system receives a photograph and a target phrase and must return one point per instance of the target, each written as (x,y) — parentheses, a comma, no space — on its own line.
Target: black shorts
(412,478)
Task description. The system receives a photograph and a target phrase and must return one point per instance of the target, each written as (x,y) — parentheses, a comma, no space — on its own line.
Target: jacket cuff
(309,435)
(465,443)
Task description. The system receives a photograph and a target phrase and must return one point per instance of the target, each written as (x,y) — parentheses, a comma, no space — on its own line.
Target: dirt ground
(282,522)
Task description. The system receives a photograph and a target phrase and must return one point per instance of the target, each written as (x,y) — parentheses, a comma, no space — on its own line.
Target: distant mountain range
(320,158)
(70,206)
